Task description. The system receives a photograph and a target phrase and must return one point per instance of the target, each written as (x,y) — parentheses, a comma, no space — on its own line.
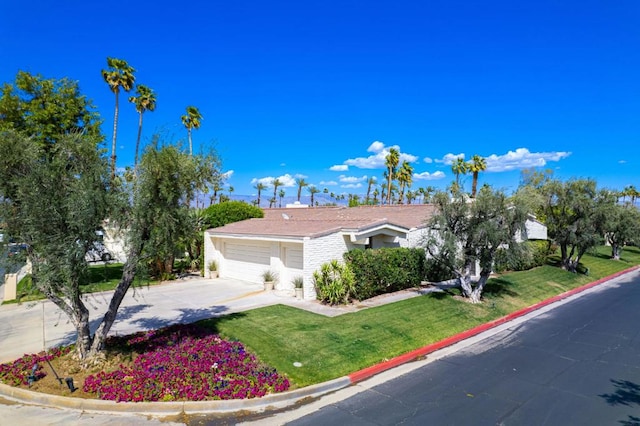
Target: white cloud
(286,181)
(227,174)
(428,160)
(352,179)
(522,158)
(352,186)
(450,158)
(429,176)
(328,182)
(377,160)
(339,168)
(622,161)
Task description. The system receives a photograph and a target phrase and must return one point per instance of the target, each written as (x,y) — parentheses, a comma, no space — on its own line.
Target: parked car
(98,253)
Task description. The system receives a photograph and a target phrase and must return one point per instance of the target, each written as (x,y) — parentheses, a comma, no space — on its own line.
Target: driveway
(30,326)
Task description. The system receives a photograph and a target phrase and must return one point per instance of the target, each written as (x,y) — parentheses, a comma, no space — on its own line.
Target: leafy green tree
(155,218)
(259,187)
(475,166)
(276,184)
(46,109)
(301,183)
(191,120)
(464,233)
(232,211)
(118,75)
(622,227)
(370,183)
(313,191)
(459,167)
(145,101)
(575,214)
(54,198)
(405,179)
(391,161)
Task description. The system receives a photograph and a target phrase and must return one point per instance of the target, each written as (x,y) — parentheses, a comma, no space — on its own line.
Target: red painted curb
(420,352)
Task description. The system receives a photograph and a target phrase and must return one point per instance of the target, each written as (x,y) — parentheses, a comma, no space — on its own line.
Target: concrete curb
(279,400)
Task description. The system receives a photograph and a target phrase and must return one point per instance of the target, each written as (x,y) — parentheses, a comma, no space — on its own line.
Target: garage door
(246,261)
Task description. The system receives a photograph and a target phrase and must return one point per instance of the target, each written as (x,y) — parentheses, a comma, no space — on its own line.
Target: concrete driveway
(31,326)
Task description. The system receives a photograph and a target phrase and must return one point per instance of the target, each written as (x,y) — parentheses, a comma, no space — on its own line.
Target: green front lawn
(101,278)
(333,347)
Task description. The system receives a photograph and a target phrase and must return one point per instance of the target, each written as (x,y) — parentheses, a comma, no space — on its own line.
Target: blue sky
(322,89)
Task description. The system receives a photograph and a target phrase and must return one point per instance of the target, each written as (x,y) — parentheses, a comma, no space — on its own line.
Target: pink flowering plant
(17,373)
(184,362)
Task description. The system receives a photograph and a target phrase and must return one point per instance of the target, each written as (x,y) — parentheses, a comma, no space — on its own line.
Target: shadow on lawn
(497,287)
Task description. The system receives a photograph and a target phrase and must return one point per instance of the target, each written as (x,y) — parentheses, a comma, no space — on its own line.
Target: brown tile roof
(318,221)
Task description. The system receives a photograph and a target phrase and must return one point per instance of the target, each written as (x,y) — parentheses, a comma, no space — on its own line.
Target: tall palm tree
(371,182)
(477,165)
(276,183)
(376,192)
(428,192)
(191,120)
(281,194)
(301,184)
(405,178)
(312,190)
(391,161)
(459,167)
(118,75)
(260,187)
(145,101)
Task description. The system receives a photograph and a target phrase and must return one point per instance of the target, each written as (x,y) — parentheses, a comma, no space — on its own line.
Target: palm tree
(301,184)
(276,183)
(371,182)
(312,190)
(191,120)
(477,164)
(145,101)
(281,195)
(391,161)
(376,192)
(459,167)
(405,178)
(260,187)
(119,75)
(428,191)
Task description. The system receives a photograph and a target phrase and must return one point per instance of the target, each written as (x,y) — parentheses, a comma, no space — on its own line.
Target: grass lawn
(333,347)
(101,278)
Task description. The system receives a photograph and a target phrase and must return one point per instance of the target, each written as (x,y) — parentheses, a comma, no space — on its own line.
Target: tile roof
(318,221)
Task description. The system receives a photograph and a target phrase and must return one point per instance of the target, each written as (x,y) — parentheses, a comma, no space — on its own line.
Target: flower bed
(177,363)
(17,373)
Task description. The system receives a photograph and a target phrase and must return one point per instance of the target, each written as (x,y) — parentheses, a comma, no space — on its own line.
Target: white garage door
(246,261)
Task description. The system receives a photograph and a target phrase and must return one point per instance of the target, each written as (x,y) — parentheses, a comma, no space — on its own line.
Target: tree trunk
(476,295)
(113,141)
(128,275)
(615,251)
(465,280)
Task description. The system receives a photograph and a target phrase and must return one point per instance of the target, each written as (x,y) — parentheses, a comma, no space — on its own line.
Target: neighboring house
(297,241)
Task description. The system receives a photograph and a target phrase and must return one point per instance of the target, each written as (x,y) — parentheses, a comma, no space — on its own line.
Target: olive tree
(465,231)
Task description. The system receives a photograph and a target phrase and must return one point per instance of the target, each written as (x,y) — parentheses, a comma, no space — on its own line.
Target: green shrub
(436,272)
(229,212)
(532,254)
(385,270)
(334,283)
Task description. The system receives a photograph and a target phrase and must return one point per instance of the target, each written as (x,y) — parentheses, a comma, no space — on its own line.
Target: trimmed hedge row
(385,270)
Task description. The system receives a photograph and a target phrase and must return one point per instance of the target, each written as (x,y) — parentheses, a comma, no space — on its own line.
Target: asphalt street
(577,364)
